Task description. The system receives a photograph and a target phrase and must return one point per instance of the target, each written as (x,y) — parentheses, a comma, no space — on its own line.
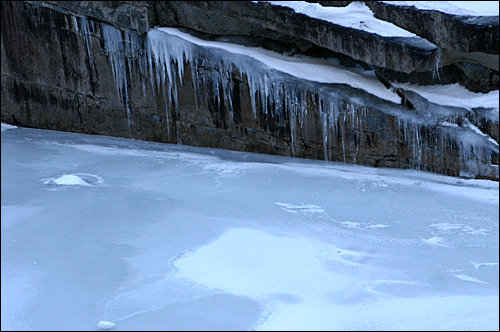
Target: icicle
(324,130)
(113,44)
(85,30)
(194,75)
(437,63)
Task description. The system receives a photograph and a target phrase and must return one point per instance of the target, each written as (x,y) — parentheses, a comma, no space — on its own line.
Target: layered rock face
(102,68)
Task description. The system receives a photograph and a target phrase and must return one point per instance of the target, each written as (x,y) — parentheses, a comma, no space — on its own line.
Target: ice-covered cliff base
(327,111)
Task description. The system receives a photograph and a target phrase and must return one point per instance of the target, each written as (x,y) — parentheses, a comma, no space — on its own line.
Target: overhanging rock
(404,54)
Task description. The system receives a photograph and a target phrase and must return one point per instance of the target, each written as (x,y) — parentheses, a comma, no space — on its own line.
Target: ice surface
(173,237)
(356,15)
(14,214)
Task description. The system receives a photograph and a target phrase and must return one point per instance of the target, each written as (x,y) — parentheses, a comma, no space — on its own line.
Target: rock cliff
(102,67)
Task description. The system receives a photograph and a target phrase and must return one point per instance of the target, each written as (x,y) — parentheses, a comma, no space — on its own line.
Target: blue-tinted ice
(147,236)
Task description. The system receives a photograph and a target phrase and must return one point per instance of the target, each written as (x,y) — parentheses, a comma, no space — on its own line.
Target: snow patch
(255,264)
(351,224)
(105,325)
(356,15)
(446,226)
(6,126)
(453,95)
(377,226)
(304,208)
(68,180)
(472,8)
(478,265)
(435,241)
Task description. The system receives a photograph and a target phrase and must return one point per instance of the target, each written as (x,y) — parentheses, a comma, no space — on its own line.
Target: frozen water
(173,237)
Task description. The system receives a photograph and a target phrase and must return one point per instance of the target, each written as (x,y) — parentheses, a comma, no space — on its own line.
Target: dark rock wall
(83,67)
(56,73)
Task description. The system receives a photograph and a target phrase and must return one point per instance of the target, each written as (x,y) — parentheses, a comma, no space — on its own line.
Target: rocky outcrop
(101,68)
(404,54)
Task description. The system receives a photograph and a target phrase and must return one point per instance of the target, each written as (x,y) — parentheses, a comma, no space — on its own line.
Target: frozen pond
(155,236)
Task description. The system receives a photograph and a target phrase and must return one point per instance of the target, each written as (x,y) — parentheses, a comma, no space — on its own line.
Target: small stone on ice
(106,325)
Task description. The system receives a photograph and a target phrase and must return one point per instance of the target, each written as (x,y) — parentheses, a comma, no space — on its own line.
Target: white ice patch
(435,241)
(468,278)
(446,227)
(68,180)
(377,226)
(194,158)
(255,264)
(351,224)
(105,325)
(478,265)
(236,168)
(7,127)
(304,208)
(449,124)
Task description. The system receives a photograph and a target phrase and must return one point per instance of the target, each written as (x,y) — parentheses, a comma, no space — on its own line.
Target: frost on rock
(341,110)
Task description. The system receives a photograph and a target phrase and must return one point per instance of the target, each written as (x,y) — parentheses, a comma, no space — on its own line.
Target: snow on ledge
(356,15)
(472,8)
(454,95)
(315,70)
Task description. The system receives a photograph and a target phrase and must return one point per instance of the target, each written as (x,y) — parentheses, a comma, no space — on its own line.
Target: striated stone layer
(89,67)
